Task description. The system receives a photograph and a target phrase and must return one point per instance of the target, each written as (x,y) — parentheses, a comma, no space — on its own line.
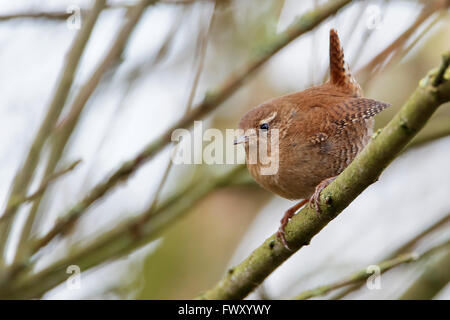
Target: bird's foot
(314,200)
(284,221)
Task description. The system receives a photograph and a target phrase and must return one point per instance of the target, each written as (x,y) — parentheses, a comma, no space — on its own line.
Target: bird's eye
(264,126)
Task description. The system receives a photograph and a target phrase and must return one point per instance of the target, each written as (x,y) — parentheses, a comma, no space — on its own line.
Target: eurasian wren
(321,130)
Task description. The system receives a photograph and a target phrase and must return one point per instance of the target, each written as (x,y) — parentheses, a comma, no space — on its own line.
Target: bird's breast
(304,164)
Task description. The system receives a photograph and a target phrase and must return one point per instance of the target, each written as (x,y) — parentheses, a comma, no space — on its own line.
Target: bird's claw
(284,221)
(281,236)
(315,198)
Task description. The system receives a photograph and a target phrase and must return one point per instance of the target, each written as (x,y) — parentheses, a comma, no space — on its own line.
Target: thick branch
(211,102)
(361,173)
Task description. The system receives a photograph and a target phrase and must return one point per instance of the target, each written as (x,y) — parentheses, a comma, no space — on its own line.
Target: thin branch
(24,176)
(439,128)
(348,37)
(358,277)
(432,280)
(361,173)
(144,67)
(45,184)
(364,274)
(120,241)
(374,67)
(399,54)
(66,127)
(407,246)
(199,63)
(184,2)
(302,25)
(57,15)
(443,68)
(63,15)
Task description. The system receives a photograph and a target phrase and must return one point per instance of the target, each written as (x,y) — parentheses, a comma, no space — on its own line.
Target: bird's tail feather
(340,74)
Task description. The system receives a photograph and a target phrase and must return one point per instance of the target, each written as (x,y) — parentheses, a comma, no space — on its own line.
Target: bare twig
(400,53)
(407,246)
(358,277)
(373,68)
(443,68)
(66,127)
(198,67)
(57,15)
(438,128)
(432,280)
(347,38)
(8,211)
(63,15)
(364,274)
(24,176)
(132,77)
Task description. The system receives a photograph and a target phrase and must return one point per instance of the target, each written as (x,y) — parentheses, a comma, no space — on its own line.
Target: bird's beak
(240,140)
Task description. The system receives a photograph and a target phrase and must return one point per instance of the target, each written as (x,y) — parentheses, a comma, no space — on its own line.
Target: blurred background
(137,75)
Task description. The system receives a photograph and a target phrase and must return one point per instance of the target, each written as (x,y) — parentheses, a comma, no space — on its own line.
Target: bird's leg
(288,215)
(314,200)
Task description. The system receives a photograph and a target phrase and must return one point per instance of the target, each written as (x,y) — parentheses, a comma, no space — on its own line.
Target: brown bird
(320,131)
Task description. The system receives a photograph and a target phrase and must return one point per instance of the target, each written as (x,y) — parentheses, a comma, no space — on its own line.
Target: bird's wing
(357,109)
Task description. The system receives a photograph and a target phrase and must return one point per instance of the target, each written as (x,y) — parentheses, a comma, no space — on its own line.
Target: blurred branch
(300,26)
(360,276)
(407,246)
(439,79)
(57,15)
(64,15)
(375,66)
(24,176)
(199,63)
(187,1)
(401,52)
(141,68)
(432,280)
(120,241)
(362,172)
(348,37)
(66,127)
(10,209)
(438,128)
(413,242)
